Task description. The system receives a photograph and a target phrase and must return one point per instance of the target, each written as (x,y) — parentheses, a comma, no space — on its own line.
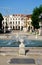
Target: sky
(18,6)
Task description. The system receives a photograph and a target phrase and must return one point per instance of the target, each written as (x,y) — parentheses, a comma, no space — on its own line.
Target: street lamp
(40,24)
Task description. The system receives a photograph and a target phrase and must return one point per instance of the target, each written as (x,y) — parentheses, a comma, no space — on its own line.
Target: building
(29,25)
(16,21)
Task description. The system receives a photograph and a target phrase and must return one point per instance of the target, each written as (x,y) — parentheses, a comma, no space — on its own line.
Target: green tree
(1,18)
(35,17)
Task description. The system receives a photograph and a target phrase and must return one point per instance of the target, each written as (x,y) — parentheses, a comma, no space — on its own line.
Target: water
(14,43)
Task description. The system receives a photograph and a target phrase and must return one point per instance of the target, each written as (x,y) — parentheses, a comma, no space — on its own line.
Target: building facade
(16,21)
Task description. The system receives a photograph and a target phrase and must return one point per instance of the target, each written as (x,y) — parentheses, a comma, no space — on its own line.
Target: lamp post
(40,24)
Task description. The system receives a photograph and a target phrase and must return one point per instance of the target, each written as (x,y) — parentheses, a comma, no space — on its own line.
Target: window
(16,27)
(28,23)
(10,18)
(18,22)
(19,27)
(3,27)
(21,18)
(3,22)
(10,22)
(18,18)
(6,19)
(10,26)
(13,18)
(13,22)
(13,27)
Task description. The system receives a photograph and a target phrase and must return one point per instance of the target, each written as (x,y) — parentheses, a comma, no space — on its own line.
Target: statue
(21,48)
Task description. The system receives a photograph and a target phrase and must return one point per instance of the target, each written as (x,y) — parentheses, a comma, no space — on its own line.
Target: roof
(29,16)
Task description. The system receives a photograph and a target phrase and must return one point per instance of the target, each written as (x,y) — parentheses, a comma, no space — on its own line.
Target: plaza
(21,32)
(32,54)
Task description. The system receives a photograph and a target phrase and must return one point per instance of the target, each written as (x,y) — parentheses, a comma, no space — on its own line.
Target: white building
(16,21)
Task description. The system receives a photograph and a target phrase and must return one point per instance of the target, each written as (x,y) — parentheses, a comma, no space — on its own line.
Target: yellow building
(27,22)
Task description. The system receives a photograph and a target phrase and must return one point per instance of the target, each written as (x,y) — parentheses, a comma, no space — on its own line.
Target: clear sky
(18,6)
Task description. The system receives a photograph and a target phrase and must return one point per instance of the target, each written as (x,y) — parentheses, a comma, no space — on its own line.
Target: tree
(1,18)
(35,17)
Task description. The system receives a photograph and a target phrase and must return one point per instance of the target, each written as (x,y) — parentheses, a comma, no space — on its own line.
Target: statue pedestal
(21,49)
